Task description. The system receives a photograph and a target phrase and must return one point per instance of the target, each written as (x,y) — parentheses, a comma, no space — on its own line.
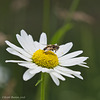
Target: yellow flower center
(45,59)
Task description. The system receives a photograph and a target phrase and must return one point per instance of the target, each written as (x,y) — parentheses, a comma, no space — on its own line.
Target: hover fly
(51,47)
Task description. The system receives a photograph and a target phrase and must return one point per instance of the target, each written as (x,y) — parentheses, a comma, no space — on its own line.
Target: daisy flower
(36,59)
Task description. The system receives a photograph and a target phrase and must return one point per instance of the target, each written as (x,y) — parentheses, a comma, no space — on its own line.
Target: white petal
(43,38)
(58,76)
(37,45)
(71,55)
(73,61)
(46,70)
(63,49)
(83,65)
(12,51)
(79,76)
(67,70)
(14,61)
(32,46)
(18,49)
(63,73)
(55,79)
(28,40)
(27,75)
(23,33)
(36,70)
(42,46)
(26,43)
(29,65)
(22,42)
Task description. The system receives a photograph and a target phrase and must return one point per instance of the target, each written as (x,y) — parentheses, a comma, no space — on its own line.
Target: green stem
(46,16)
(42,87)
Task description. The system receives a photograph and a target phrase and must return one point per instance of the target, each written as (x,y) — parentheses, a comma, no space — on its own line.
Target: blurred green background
(76,21)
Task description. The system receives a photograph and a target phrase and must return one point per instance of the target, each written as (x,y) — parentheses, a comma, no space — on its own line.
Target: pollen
(45,59)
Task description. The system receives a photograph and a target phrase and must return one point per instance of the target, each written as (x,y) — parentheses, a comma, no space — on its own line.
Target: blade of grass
(67,26)
(60,33)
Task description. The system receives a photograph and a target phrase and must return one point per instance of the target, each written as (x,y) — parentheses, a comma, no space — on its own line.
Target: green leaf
(38,82)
